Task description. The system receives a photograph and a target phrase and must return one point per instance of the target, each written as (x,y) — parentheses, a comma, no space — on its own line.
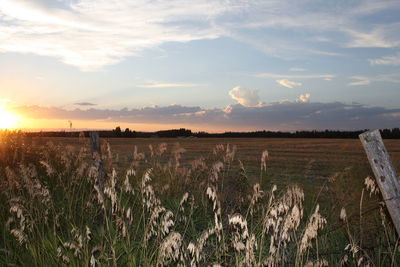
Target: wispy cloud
(287,83)
(364,80)
(393,60)
(84,104)
(326,53)
(166,85)
(297,69)
(360,80)
(90,34)
(295,76)
(382,36)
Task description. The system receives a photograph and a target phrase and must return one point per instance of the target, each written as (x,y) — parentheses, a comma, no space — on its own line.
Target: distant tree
(127,132)
(118,132)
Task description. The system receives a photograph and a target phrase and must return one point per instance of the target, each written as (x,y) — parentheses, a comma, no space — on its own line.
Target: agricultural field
(192,202)
(310,163)
(317,159)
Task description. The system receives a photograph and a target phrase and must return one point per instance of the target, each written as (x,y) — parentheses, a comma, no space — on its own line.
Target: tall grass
(160,210)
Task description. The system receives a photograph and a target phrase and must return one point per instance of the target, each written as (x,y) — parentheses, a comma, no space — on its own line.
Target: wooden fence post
(96,159)
(384,172)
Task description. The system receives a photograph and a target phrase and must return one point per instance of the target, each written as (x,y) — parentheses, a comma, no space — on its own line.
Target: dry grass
(195,203)
(316,159)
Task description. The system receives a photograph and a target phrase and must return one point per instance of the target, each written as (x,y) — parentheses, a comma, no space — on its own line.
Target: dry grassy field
(330,171)
(313,164)
(192,202)
(304,161)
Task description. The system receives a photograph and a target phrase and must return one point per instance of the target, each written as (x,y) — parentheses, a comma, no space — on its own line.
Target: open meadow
(310,163)
(192,202)
(314,159)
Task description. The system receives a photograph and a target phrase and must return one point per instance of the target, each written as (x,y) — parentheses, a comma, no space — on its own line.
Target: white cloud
(90,34)
(297,69)
(361,80)
(364,80)
(245,97)
(381,35)
(326,53)
(304,98)
(295,76)
(387,60)
(322,39)
(287,83)
(166,85)
(390,78)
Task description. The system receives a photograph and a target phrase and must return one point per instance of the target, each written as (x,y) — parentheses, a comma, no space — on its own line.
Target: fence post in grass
(96,159)
(384,172)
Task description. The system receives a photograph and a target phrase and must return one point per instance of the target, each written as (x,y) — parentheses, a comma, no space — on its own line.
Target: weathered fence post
(385,173)
(96,159)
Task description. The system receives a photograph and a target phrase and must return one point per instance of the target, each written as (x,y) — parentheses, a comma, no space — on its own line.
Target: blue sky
(205,65)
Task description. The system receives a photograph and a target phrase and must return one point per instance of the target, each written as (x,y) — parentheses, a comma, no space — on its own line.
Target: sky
(220,65)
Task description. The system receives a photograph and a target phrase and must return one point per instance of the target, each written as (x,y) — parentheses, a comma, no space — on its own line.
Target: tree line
(393,133)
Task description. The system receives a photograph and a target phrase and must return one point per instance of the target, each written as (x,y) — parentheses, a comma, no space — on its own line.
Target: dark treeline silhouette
(186,133)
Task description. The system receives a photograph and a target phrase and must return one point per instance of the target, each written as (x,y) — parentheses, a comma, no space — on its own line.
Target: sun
(8,120)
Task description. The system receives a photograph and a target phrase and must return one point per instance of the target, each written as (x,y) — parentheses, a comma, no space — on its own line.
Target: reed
(211,213)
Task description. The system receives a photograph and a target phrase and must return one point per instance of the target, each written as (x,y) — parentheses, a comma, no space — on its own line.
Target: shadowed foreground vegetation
(159,209)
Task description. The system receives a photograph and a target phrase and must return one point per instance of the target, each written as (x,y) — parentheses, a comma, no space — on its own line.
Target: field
(307,162)
(317,159)
(192,201)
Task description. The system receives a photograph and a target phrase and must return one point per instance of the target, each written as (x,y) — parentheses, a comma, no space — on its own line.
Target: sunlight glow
(7,120)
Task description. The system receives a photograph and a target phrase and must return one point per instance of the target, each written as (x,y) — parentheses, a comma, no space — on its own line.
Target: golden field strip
(314,159)
(330,171)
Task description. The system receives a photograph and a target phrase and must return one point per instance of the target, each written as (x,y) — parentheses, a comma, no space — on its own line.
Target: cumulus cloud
(393,60)
(245,97)
(273,116)
(304,98)
(287,83)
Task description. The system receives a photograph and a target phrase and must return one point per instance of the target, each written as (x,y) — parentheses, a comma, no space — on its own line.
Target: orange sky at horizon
(30,124)
(12,120)
(8,120)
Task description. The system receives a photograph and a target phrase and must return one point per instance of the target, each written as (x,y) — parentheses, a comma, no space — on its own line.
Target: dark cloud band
(84,104)
(280,115)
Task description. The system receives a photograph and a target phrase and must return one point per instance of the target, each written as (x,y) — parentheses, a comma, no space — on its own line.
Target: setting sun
(7,119)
